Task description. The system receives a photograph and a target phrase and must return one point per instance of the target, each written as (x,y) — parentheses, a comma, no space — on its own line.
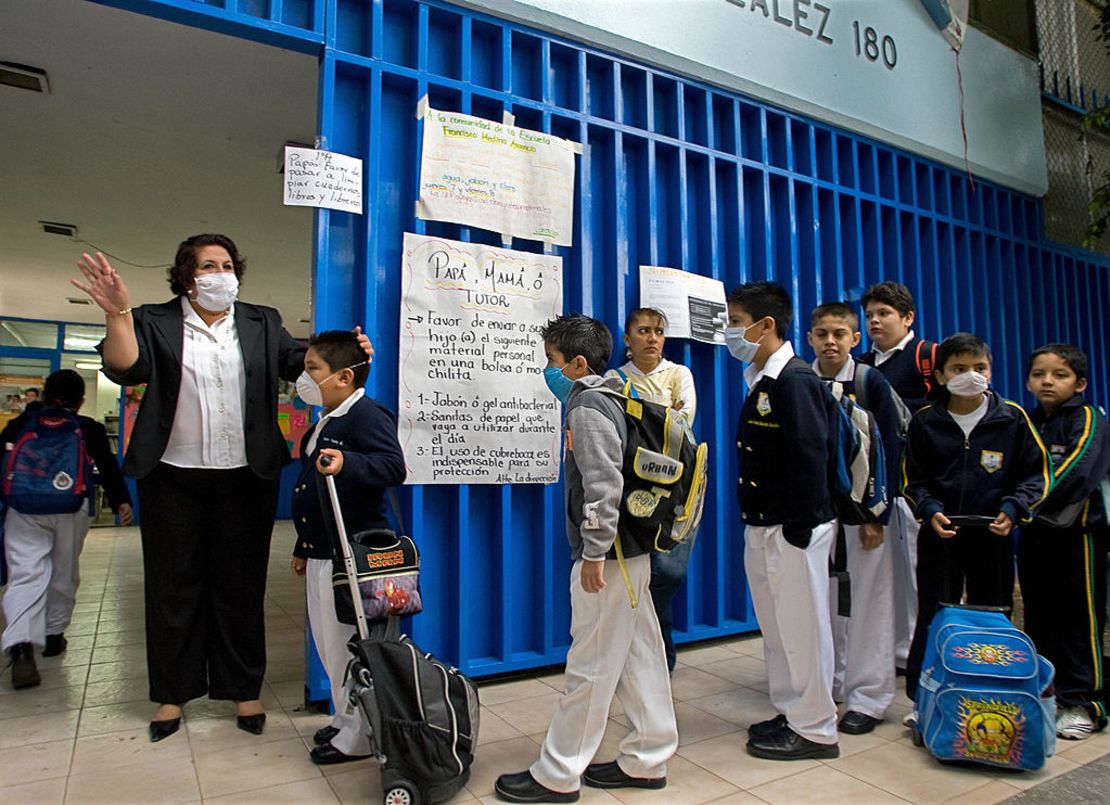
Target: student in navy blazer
(207,453)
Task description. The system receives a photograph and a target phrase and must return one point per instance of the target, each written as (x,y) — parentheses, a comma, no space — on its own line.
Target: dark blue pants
(668,571)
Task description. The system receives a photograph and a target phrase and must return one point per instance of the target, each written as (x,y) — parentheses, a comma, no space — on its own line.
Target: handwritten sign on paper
(322,179)
(474,408)
(692,303)
(476,172)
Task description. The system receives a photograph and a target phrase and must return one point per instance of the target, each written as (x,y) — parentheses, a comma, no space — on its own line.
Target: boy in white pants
(359,436)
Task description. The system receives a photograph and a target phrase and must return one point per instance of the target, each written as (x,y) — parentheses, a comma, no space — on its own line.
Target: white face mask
(736,340)
(312,392)
(217,292)
(967,384)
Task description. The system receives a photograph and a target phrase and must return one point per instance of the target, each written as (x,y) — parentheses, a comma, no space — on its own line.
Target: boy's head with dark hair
(761,313)
(31,394)
(889,310)
(834,331)
(1056,373)
(338,365)
(65,388)
(960,354)
(578,345)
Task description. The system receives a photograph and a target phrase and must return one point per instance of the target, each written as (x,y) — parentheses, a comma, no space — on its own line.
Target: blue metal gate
(675,172)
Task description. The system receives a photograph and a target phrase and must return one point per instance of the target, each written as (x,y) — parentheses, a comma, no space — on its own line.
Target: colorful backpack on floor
(985,695)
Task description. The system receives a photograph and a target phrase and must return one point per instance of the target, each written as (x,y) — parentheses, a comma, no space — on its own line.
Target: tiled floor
(81,736)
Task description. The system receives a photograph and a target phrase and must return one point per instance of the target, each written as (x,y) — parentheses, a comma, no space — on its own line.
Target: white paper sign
(476,172)
(474,407)
(692,303)
(322,179)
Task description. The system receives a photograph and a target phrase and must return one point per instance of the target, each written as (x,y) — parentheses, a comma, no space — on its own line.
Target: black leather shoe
(610,775)
(55,645)
(163,729)
(767,727)
(25,674)
(856,723)
(253,724)
(326,754)
(324,735)
(789,745)
(522,787)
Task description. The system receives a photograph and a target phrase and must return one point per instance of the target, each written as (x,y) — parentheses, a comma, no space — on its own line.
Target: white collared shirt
(338,411)
(846,374)
(208,427)
(778,359)
(883,355)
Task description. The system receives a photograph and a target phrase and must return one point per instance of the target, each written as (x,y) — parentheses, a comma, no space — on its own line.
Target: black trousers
(1063,587)
(206,543)
(974,560)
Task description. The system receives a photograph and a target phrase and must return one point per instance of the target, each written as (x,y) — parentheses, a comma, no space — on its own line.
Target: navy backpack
(48,469)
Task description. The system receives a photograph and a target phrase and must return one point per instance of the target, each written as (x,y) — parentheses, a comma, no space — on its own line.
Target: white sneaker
(910,719)
(1074,724)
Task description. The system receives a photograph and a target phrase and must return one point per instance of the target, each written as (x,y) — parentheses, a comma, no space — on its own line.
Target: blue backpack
(860,472)
(48,469)
(985,695)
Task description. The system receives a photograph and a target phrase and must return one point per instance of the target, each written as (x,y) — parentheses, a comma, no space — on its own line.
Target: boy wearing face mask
(1062,553)
(784,442)
(360,437)
(974,468)
(616,645)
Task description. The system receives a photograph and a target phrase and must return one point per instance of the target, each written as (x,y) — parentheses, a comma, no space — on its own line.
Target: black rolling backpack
(421,715)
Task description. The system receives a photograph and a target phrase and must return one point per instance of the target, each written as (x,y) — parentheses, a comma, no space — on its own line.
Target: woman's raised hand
(103,284)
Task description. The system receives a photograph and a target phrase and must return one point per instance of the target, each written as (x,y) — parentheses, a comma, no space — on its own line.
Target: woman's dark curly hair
(185,263)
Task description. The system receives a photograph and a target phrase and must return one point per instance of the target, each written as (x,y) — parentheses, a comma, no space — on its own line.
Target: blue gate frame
(675,172)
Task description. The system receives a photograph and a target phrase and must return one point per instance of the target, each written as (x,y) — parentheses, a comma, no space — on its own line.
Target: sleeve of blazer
(290,353)
(138,372)
(101,452)
(1086,461)
(1035,474)
(915,471)
(378,461)
(803,401)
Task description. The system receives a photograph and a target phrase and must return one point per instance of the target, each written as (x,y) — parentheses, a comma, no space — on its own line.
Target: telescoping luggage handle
(345,546)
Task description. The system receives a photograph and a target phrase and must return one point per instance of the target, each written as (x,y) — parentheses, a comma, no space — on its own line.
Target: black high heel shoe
(164,729)
(252,724)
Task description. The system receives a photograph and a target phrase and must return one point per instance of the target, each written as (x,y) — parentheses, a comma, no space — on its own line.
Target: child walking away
(908,363)
(1062,553)
(358,438)
(784,446)
(615,640)
(974,468)
(49,455)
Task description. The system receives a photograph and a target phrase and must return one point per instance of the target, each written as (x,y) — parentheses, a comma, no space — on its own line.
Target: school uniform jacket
(269,354)
(784,443)
(900,370)
(372,462)
(1001,466)
(1077,438)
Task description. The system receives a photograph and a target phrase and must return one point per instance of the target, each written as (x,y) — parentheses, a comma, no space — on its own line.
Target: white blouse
(208,428)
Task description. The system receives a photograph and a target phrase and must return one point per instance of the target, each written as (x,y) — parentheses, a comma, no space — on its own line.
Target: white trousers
(864,642)
(614,649)
(43,573)
(790,591)
(331,638)
(904,530)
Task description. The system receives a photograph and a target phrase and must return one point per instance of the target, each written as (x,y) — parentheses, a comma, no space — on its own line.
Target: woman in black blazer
(207,453)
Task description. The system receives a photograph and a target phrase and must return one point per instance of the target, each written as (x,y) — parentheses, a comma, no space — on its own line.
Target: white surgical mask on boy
(217,292)
(736,339)
(310,391)
(967,384)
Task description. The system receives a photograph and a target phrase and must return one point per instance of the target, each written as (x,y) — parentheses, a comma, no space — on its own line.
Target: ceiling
(151,132)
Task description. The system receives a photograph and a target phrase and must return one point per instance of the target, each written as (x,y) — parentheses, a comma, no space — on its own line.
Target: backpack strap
(859,385)
(629,389)
(926,365)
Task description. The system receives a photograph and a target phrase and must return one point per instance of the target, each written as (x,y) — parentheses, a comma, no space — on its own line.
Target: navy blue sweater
(1001,466)
(900,370)
(1077,438)
(372,462)
(784,443)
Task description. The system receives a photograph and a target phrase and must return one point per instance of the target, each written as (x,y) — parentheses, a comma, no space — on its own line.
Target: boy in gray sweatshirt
(616,645)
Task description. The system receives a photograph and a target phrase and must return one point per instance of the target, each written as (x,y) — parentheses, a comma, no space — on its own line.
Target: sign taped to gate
(496,176)
(691,303)
(322,179)
(473,404)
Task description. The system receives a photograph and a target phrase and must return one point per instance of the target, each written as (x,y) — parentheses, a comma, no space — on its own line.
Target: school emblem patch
(63,482)
(990,460)
(763,404)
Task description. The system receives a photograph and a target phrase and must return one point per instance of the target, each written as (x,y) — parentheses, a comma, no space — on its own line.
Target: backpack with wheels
(985,695)
(48,469)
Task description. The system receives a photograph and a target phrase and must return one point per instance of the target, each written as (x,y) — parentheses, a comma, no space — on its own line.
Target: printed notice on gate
(474,407)
(322,179)
(693,304)
(476,172)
